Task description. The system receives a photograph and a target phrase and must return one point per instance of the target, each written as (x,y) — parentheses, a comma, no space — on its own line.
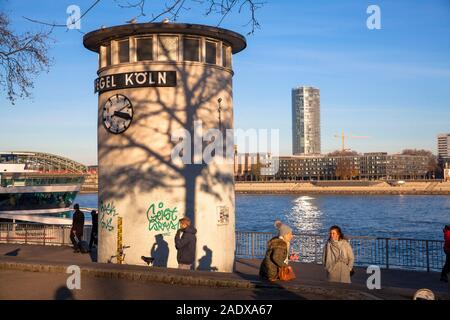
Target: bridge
(43,162)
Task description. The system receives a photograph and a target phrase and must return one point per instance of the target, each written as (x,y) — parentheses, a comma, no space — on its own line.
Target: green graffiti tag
(162,219)
(107,212)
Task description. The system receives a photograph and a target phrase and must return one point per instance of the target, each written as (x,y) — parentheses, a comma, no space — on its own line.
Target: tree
(433,169)
(22,57)
(222,8)
(346,170)
(340,153)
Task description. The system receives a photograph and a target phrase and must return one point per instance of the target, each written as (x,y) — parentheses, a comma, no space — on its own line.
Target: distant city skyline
(389,84)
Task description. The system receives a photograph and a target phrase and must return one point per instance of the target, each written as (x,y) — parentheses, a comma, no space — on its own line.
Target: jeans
(446,268)
(79,235)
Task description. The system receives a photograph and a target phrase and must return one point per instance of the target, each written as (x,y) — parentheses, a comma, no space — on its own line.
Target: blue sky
(392,85)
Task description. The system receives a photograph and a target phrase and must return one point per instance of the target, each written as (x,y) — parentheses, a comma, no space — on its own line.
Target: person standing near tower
(446,268)
(185,242)
(94,231)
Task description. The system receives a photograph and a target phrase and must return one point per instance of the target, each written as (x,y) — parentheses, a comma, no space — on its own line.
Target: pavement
(24,267)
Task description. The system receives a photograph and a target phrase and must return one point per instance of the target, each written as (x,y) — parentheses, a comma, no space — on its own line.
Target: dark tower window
(191,49)
(144,49)
(226,59)
(211,52)
(124,51)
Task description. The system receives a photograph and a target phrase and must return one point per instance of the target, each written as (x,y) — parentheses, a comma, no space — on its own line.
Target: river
(398,216)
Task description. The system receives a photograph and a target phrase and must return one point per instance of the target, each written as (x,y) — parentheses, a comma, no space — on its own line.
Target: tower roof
(94,39)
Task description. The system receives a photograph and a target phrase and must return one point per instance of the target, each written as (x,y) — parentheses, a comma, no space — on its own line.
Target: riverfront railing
(31,233)
(412,254)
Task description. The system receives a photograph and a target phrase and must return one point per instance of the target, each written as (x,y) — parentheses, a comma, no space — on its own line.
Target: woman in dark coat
(276,254)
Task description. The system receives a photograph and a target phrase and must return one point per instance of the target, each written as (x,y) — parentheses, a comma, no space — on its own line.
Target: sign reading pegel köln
(136,80)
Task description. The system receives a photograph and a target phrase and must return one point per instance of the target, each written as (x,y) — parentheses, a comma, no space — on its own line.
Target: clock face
(117,114)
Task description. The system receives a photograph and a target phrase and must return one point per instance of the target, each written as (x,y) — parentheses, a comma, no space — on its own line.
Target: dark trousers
(94,239)
(446,268)
(78,234)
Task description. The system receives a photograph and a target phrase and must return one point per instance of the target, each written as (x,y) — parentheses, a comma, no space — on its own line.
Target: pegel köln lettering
(136,80)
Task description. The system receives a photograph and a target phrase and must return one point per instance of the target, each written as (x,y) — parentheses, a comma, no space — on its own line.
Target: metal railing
(411,254)
(29,233)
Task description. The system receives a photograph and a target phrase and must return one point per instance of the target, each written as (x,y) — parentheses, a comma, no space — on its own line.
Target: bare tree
(173,9)
(433,163)
(338,153)
(346,169)
(22,57)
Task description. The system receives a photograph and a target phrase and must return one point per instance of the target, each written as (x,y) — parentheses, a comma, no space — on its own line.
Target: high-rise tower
(305,120)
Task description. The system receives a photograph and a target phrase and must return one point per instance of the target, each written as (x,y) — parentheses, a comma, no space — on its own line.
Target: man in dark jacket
(76,233)
(94,230)
(185,243)
(446,268)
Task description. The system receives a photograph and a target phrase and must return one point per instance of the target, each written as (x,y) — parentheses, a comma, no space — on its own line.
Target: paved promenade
(24,267)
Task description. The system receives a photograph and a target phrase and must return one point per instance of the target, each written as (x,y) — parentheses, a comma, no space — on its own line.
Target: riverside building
(369,166)
(443,145)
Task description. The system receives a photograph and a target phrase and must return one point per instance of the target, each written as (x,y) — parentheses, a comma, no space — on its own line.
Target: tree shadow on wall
(160,251)
(153,168)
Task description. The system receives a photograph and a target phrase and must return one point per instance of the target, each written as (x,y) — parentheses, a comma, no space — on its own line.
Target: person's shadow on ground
(63,293)
(204,263)
(160,251)
(93,253)
(13,253)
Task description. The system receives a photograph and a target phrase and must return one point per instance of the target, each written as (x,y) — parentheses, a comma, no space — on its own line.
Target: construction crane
(343,137)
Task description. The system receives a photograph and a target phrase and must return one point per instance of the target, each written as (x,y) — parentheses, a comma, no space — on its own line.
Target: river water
(398,216)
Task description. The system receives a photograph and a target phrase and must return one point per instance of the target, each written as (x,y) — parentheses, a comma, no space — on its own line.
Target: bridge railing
(413,254)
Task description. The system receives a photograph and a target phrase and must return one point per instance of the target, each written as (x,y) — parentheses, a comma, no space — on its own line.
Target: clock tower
(161,88)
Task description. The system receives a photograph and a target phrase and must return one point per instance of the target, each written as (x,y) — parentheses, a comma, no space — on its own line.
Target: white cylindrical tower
(161,87)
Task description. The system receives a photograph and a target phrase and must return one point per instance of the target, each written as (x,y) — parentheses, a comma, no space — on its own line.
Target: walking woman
(276,254)
(338,257)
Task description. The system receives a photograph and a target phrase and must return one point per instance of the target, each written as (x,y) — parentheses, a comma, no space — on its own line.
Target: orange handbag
(286,273)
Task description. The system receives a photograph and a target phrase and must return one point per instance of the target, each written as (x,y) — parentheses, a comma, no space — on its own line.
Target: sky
(391,85)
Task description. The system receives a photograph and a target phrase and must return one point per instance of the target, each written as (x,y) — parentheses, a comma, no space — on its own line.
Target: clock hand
(122,115)
(124,107)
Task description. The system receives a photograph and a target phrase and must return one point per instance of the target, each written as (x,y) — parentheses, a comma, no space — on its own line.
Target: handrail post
(44,234)
(26,233)
(63,235)
(315,249)
(387,253)
(428,256)
(253,244)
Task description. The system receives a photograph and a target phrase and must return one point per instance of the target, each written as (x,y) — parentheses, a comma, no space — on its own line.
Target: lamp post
(219,109)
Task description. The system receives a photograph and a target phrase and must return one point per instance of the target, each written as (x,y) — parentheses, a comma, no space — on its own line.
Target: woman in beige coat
(338,257)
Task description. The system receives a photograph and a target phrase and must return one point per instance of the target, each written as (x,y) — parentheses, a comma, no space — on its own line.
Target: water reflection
(305,216)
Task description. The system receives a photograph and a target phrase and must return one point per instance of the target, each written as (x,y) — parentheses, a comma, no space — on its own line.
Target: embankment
(374,188)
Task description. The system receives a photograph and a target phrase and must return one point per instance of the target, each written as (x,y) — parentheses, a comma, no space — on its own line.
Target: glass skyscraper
(305,120)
